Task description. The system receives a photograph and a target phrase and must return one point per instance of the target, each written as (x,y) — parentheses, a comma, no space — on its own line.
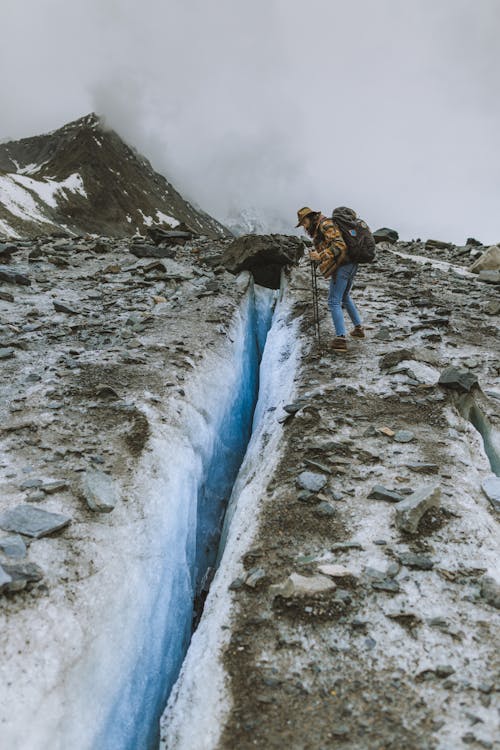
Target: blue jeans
(339,296)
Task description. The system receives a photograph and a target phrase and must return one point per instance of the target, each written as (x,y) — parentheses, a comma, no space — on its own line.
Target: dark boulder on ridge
(264,255)
(386,235)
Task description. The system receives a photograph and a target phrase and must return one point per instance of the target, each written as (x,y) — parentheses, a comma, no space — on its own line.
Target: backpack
(356,234)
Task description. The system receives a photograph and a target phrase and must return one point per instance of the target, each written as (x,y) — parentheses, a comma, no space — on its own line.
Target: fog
(390,107)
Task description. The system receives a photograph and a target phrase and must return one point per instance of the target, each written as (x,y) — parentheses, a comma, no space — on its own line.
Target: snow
(442,265)
(26,197)
(194,716)
(7,230)
(168,219)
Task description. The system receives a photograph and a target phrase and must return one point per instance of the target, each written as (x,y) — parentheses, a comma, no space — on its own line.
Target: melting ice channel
(191,536)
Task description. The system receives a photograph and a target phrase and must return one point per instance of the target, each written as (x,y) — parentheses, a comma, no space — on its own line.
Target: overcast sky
(389,106)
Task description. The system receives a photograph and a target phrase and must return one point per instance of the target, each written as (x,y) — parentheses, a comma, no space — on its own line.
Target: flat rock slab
(404,436)
(13,546)
(32,521)
(410,511)
(458,379)
(152,251)
(382,493)
(99,491)
(490,591)
(491,488)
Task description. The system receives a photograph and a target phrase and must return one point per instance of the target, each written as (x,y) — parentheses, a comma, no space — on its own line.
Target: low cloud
(389,107)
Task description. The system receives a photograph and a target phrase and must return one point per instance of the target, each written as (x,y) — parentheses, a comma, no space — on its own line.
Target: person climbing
(331,254)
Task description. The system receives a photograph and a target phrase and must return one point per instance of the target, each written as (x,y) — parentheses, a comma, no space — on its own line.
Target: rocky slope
(339,616)
(84,178)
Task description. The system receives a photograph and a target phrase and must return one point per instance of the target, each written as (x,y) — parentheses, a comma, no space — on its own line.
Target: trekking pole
(314,286)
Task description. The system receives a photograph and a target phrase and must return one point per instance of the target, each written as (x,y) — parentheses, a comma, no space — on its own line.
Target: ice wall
(198,703)
(193,485)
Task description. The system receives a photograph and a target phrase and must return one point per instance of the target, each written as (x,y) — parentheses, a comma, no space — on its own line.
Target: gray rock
(263,255)
(490,591)
(414,560)
(13,546)
(11,276)
(31,484)
(391,359)
(422,467)
(99,491)
(5,579)
(51,488)
(379,492)
(410,511)
(311,481)
(32,521)
(151,251)
(389,585)
(6,296)
(384,234)
(438,245)
(444,670)
(458,379)
(6,352)
(324,510)
(404,436)
(62,307)
(21,574)
(491,488)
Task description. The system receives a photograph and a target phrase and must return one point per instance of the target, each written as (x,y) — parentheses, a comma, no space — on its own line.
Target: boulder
(386,235)
(438,245)
(99,491)
(264,255)
(410,511)
(458,379)
(488,261)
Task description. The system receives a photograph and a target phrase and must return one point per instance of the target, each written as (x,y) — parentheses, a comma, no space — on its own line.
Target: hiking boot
(358,332)
(339,344)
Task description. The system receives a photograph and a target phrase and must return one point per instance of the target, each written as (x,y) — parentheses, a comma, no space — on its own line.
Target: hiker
(331,254)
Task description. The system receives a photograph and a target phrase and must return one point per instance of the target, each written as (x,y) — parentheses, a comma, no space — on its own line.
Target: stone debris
(416,560)
(297,585)
(335,571)
(378,492)
(32,521)
(458,379)
(99,491)
(410,511)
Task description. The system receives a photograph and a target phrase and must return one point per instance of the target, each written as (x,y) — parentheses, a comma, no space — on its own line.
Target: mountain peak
(84,177)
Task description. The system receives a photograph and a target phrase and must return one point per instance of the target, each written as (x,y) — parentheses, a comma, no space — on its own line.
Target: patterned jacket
(329,243)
